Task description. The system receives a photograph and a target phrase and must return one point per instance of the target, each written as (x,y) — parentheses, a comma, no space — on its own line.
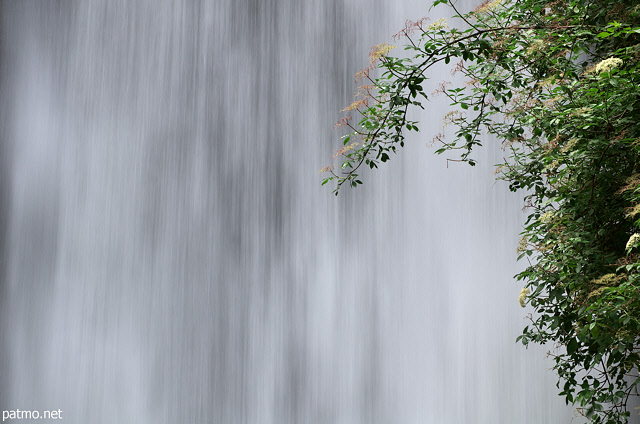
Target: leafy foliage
(557,83)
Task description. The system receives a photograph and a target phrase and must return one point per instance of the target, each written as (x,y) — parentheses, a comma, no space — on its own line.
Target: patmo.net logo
(21,414)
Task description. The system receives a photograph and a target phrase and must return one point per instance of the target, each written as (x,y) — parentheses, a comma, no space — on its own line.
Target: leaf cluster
(557,83)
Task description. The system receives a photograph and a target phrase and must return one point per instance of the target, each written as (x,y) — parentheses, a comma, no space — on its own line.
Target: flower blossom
(546,217)
(523,296)
(438,25)
(536,46)
(607,65)
(345,149)
(379,51)
(488,6)
(522,245)
(633,240)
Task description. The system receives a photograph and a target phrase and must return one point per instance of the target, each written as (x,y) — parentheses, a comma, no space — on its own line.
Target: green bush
(557,83)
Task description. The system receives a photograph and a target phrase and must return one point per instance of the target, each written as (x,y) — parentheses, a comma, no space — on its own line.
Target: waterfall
(169,255)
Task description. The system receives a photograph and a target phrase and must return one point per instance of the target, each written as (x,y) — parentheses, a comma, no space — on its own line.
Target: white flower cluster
(607,65)
(488,6)
(439,24)
(546,217)
(523,296)
(633,240)
(522,245)
(535,46)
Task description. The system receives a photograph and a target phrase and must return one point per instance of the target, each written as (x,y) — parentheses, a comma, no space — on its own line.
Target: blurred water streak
(171,257)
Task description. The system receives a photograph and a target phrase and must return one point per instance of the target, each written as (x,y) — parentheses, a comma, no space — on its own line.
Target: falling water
(170,257)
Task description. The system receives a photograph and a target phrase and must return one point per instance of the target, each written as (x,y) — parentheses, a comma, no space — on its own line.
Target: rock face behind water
(170,257)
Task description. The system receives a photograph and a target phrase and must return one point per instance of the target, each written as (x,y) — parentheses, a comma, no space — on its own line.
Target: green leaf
(572,346)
